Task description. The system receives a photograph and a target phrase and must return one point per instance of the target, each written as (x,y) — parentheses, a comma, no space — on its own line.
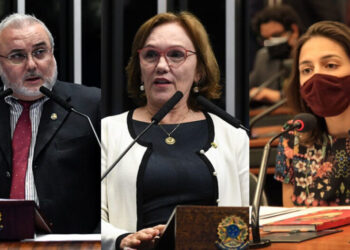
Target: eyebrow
(39,44)
(156,47)
(34,46)
(322,58)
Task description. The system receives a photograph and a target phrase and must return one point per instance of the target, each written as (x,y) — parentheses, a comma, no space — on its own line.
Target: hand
(143,239)
(266,94)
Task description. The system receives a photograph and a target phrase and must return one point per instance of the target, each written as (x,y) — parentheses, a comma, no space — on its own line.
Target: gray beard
(21,90)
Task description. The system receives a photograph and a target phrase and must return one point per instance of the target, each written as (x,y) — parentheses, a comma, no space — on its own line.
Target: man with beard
(47,154)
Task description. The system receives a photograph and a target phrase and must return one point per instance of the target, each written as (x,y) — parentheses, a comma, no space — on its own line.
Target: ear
(197,77)
(295,34)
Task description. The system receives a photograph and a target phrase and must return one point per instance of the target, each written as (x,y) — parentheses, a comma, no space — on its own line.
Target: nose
(162,63)
(31,64)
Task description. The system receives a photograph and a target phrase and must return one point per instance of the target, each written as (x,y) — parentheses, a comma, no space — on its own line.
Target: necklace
(169,139)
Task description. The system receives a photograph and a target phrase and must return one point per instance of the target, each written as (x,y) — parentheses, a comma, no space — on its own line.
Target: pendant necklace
(169,140)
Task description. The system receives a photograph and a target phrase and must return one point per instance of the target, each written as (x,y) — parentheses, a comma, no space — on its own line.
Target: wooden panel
(196,226)
(270,170)
(261,142)
(268,131)
(279,111)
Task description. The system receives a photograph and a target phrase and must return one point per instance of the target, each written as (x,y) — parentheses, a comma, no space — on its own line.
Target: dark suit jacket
(66,163)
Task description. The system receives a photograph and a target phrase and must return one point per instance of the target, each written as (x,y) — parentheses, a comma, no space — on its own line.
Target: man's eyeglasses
(174,56)
(21,57)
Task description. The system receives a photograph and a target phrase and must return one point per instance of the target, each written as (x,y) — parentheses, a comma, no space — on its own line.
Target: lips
(161,81)
(32,79)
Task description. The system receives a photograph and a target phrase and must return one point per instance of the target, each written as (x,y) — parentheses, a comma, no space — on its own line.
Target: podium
(20,219)
(206,227)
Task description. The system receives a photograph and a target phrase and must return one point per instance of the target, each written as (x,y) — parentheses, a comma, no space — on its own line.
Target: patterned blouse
(320,174)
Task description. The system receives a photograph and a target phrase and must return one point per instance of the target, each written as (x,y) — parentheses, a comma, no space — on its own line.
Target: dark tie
(20,149)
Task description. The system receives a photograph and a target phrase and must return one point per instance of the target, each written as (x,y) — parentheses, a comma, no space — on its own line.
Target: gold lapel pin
(213,144)
(53,116)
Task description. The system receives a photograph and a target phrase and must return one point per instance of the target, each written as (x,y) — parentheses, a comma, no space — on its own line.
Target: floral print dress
(320,174)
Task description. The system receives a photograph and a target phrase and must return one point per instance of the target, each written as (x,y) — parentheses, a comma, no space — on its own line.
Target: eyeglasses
(174,56)
(20,57)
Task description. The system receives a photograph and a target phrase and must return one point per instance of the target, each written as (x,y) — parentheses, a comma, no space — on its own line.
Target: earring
(142,87)
(195,88)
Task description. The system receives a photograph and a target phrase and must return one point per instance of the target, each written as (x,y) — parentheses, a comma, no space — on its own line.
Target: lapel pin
(53,116)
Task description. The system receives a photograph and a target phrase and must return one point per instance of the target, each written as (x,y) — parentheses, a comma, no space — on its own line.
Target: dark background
(120,21)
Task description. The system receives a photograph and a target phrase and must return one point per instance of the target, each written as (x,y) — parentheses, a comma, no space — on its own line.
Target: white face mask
(278,47)
(273,41)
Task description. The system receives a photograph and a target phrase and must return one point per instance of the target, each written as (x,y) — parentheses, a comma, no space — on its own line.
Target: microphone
(69,108)
(5,93)
(266,112)
(302,122)
(211,107)
(56,98)
(284,72)
(167,107)
(164,110)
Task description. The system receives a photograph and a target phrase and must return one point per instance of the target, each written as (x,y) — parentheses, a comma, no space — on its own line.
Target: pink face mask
(326,95)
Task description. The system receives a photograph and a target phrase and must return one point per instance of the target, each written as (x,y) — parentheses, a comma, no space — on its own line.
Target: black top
(174,174)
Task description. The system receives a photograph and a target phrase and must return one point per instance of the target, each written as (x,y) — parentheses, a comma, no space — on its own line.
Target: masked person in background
(190,158)
(315,167)
(278,29)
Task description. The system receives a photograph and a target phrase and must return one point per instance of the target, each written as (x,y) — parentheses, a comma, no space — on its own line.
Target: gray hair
(17,20)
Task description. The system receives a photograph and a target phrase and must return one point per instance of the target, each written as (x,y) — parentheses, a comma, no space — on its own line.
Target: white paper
(66,237)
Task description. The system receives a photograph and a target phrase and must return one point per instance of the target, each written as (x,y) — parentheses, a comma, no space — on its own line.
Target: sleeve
(110,233)
(284,170)
(243,157)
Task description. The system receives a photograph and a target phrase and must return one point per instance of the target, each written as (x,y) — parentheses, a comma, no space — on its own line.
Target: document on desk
(272,214)
(66,237)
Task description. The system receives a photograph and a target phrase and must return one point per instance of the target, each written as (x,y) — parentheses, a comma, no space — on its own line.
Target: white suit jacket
(230,161)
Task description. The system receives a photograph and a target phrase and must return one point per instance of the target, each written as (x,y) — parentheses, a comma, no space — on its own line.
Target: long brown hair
(207,66)
(335,31)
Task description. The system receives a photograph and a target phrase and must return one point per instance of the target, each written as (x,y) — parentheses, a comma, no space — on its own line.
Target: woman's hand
(143,239)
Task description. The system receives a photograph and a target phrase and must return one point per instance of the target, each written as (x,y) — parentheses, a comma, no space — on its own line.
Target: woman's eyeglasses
(174,56)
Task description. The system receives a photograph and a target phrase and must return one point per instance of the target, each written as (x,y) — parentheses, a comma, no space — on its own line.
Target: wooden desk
(270,170)
(261,142)
(335,241)
(268,131)
(279,111)
(276,117)
(61,245)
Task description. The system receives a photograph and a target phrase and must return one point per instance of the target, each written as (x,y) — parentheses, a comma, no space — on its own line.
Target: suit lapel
(51,120)
(5,132)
